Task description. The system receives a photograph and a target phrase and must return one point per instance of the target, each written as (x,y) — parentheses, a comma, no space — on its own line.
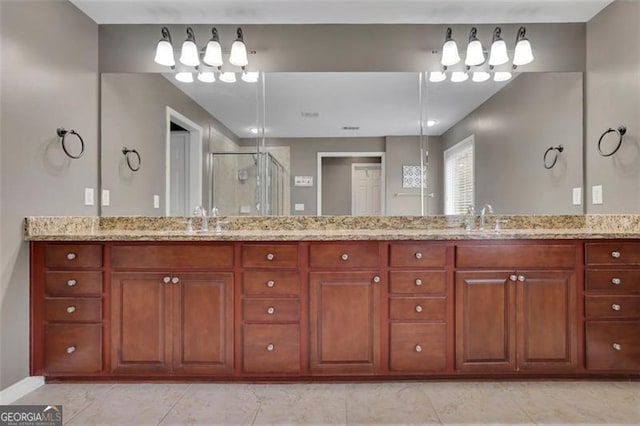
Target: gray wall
(336,183)
(401,150)
(435,178)
(134,115)
(512,130)
(49,79)
(612,99)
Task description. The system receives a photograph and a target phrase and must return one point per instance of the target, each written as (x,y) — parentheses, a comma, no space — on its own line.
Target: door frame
(352,154)
(367,165)
(196,132)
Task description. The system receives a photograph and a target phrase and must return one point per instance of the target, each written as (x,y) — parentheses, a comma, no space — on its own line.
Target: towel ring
(126,153)
(620,131)
(558,150)
(62,132)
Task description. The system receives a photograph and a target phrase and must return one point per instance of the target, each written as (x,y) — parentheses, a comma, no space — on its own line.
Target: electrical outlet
(156,201)
(299,207)
(577,196)
(88,196)
(106,197)
(596,194)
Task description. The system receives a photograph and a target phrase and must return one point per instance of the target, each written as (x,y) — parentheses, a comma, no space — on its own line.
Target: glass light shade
(164,54)
(184,77)
(213,54)
(480,76)
(189,54)
(238,55)
(250,76)
(501,76)
(206,77)
(228,77)
(431,123)
(437,76)
(498,54)
(475,55)
(459,76)
(450,55)
(523,53)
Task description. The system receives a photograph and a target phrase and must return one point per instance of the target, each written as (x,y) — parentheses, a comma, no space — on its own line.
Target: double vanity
(333,298)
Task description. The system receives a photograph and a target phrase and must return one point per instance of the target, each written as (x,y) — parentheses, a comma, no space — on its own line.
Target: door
(366,187)
(546,320)
(179,174)
(344,322)
(140,322)
(485,321)
(203,323)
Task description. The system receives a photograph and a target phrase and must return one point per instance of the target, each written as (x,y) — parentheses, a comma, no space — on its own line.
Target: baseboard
(20,389)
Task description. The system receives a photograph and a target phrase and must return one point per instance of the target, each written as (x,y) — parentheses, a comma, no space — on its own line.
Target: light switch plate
(156,201)
(106,197)
(596,194)
(88,196)
(245,209)
(299,207)
(577,196)
(306,181)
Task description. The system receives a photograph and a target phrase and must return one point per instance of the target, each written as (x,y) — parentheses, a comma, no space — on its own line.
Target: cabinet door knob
(271,256)
(71,309)
(166,280)
(418,282)
(376,279)
(418,255)
(513,277)
(616,281)
(521,278)
(418,348)
(71,256)
(617,346)
(175,280)
(71,349)
(270,347)
(418,308)
(271,283)
(271,310)
(344,257)
(615,254)
(616,307)
(71,282)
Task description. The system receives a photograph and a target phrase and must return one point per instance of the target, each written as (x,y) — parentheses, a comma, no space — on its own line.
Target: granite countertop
(295,228)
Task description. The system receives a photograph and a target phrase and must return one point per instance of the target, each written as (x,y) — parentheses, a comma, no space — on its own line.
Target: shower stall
(245,183)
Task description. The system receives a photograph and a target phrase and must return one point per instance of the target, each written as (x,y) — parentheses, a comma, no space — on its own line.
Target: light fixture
(431,123)
(254,130)
(189,55)
(450,55)
(459,77)
(437,76)
(250,76)
(164,50)
(475,55)
(228,77)
(480,76)
(238,56)
(213,54)
(523,53)
(498,54)
(206,77)
(184,77)
(501,76)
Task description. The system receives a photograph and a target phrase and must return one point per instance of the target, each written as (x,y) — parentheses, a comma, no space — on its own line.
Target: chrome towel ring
(63,133)
(558,149)
(620,131)
(126,151)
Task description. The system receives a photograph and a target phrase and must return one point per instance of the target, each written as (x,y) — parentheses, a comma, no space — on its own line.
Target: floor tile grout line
(175,403)
(262,396)
(433,407)
(514,399)
(113,385)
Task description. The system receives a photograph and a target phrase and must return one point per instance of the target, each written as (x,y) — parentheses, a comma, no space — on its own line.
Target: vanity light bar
(476,76)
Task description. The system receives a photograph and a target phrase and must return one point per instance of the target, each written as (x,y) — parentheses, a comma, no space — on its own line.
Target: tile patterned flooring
(536,402)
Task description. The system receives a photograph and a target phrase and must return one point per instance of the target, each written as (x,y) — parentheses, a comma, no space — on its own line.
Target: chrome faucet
(485,209)
(202,213)
(470,219)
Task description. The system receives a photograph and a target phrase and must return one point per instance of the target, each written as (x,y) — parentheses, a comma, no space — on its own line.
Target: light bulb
(480,76)
(238,56)
(459,76)
(431,123)
(206,77)
(437,76)
(523,53)
(450,55)
(213,54)
(228,77)
(164,54)
(184,77)
(254,130)
(501,76)
(250,76)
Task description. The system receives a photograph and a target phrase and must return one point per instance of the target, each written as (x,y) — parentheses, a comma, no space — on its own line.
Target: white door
(366,189)
(179,172)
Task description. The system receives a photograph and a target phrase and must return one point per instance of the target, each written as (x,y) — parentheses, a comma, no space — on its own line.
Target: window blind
(459,177)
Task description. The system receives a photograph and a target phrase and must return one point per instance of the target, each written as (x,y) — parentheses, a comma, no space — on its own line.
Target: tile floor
(555,402)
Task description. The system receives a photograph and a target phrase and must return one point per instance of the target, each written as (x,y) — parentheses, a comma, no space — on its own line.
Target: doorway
(366,183)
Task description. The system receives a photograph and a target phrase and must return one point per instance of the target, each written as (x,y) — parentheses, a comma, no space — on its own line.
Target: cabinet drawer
(418,347)
(417,255)
(270,283)
(271,348)
(612,253)
(172,257)
(72,348)
(73,256)
(361,255)
(270,255)
(613,306)
(418,308)
(515,256)
(73,310)
(613,345)
(432,282)
(613,280)
(73,283)
(270,310)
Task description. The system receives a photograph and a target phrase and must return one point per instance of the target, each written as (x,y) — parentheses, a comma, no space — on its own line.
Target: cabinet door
(140,318)
(485,321)
(546,320)
(203,323)
(344,322)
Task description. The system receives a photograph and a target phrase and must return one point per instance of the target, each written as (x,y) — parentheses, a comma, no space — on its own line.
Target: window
(459,185)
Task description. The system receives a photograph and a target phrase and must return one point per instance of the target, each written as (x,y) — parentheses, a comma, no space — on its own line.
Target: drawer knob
(271,283)
(271,256)
(418,348)
(344,257)
(71,349)
(166,280)
(615,254)
(270,347)
(271,310)
(71,256)
(513,277)
(175,280)
(71,283)
(616,281)
(418,282)
(418,308)
(617,346)
(71,309)
(376,279)
(521,278)
(418,255)
(616,307)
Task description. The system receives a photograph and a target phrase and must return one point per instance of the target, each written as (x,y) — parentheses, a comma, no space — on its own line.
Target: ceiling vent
(350,127)
(310,114)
